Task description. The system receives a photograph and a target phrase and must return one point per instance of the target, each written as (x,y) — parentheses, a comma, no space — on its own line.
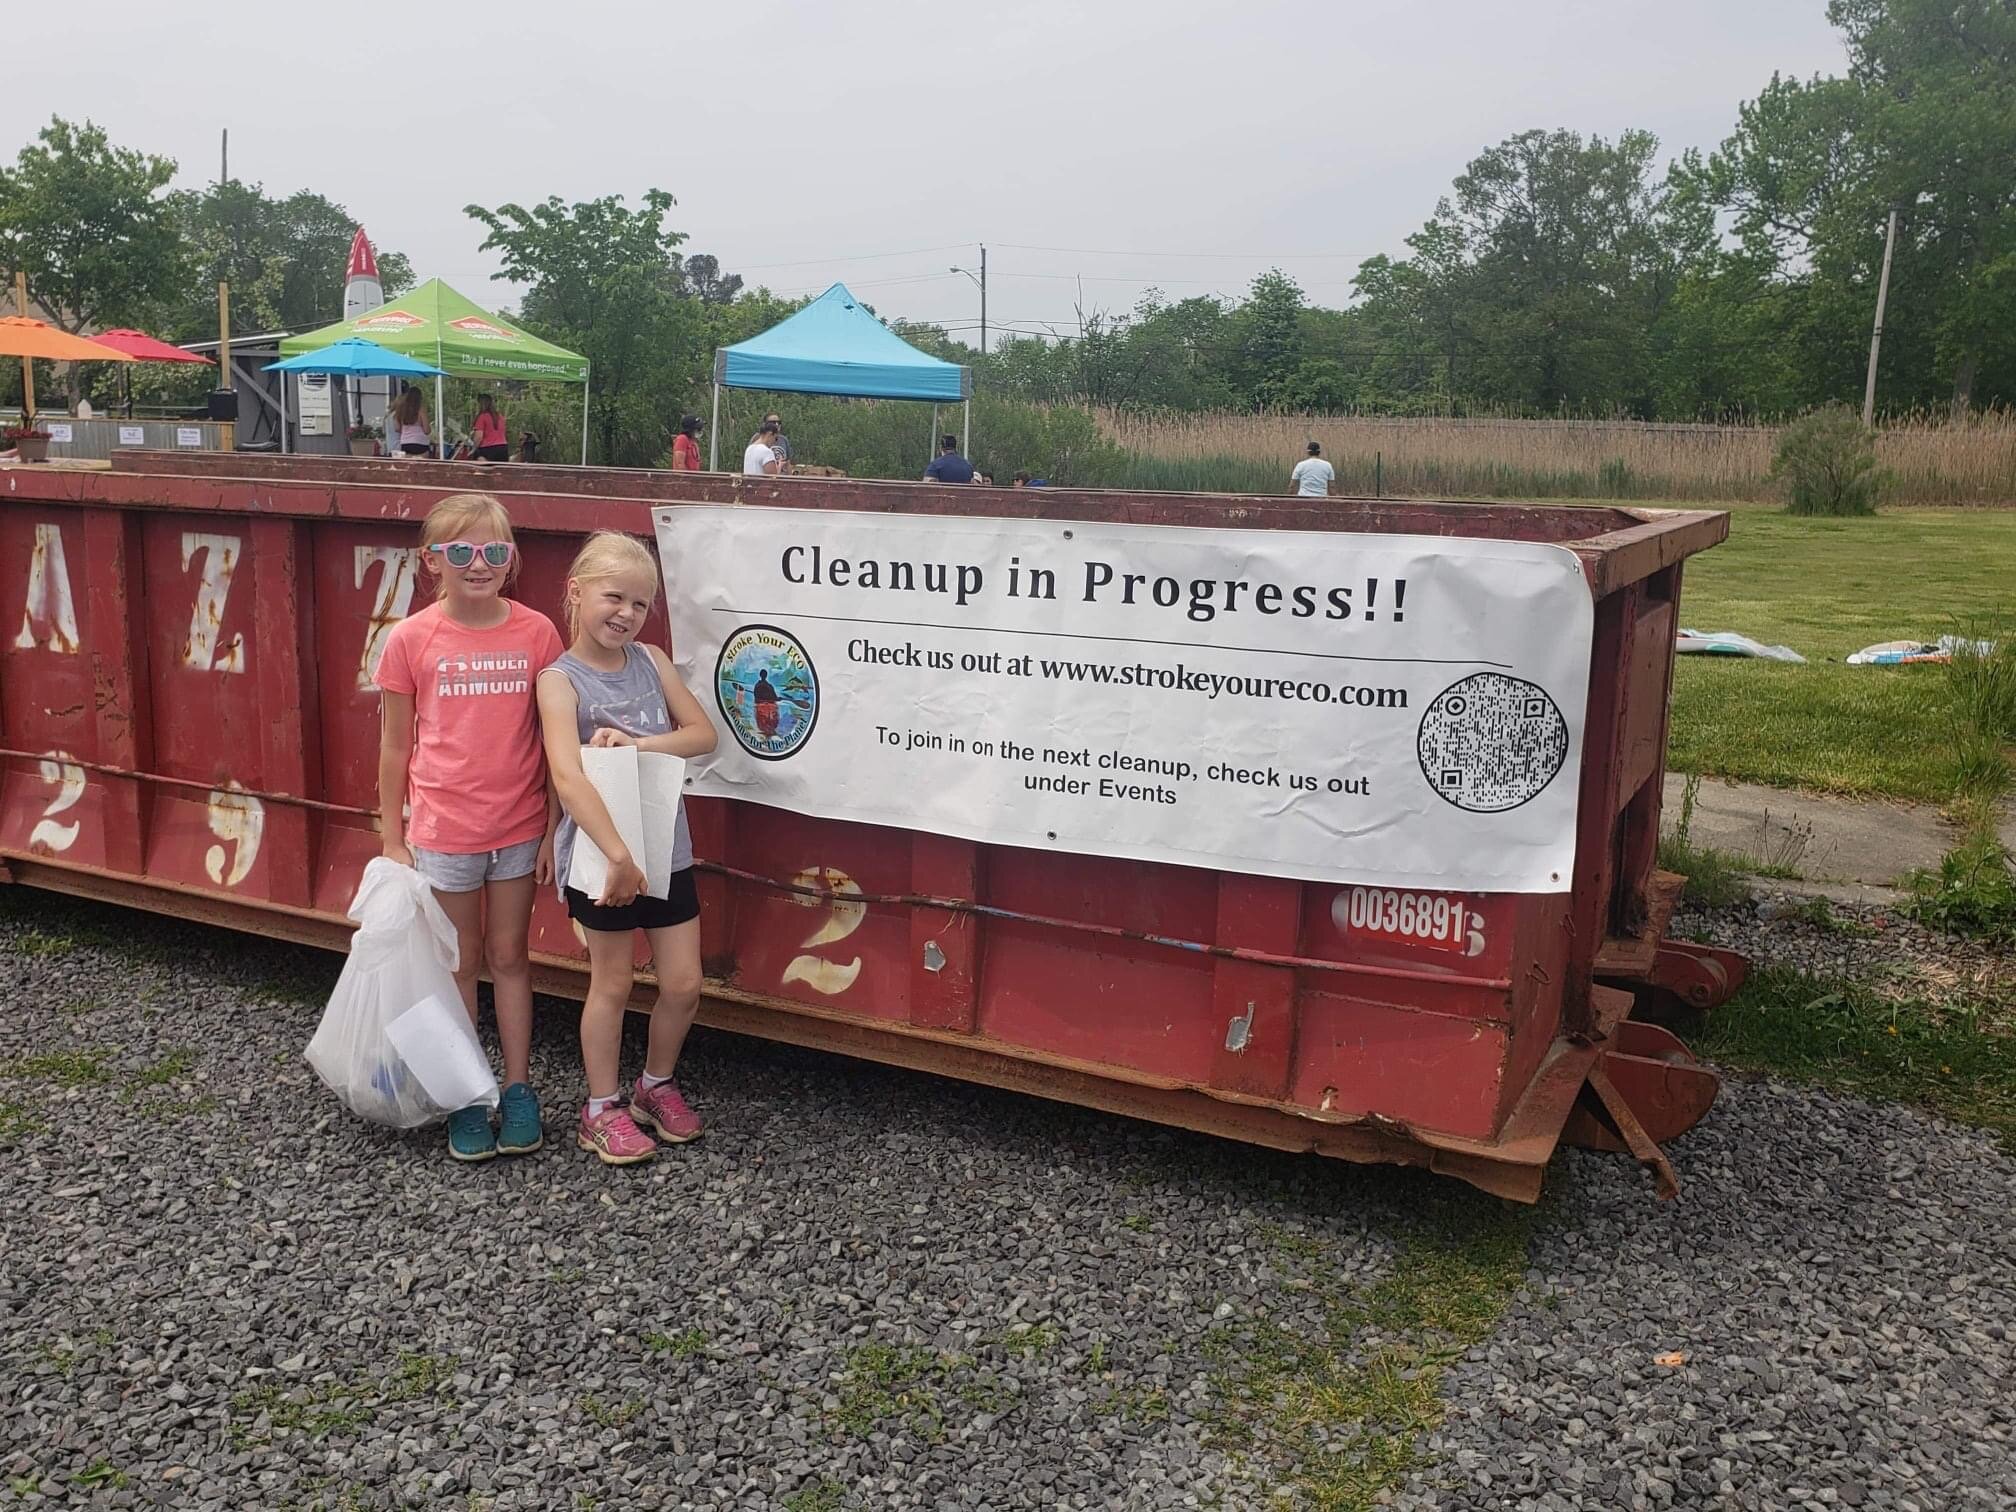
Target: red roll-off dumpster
(188,724)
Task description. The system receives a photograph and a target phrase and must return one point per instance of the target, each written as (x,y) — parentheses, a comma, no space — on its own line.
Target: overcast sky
(1182,145)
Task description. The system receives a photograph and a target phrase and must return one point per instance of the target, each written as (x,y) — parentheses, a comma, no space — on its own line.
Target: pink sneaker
(663,1109)
(614,1138)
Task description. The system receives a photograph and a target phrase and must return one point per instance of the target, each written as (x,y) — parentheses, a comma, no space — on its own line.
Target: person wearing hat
(686,445)
(1312,476)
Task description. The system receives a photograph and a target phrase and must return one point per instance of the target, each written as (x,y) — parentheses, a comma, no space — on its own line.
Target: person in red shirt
(487,431)
(686,445)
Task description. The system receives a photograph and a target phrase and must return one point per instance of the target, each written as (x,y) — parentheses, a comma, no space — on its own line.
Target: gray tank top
(633,701)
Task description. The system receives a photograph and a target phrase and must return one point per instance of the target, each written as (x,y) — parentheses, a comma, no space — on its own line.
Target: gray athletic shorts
(451,872)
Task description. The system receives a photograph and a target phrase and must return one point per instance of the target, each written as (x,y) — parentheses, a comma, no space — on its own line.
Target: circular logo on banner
(1491,742)
(768,691)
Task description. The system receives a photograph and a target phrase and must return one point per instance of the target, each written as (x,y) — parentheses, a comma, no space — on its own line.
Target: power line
(1238,256)
(804,262)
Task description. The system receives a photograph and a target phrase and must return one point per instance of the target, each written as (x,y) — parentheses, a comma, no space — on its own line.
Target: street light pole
(981,282)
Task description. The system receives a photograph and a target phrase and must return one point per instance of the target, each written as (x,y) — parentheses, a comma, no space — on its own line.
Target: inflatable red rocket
(362,292)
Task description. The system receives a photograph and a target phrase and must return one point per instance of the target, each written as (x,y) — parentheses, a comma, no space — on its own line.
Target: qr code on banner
(1491,742)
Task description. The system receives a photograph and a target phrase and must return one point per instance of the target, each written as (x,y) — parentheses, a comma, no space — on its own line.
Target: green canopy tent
(436,325)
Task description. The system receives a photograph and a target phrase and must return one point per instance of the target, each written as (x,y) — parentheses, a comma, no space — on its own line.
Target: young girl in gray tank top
(609,690)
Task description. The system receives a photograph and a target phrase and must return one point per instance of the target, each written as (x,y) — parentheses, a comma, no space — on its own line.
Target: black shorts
(498,453)
(681,902)
(414,448)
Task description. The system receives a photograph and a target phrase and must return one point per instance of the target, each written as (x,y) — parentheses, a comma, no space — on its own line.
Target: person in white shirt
(1313,476)
(761,457)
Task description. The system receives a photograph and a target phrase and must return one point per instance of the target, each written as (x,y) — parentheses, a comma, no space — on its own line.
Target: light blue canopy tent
(834,346)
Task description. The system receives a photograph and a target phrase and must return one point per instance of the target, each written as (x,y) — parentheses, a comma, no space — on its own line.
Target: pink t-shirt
(478,777)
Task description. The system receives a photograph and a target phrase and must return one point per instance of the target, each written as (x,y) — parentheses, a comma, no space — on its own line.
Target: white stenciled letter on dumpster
(203,650)
(50,618)
(1386,711)
(396,566)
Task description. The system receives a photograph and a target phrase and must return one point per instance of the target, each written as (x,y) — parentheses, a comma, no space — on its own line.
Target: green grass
(1331,1418)
(1826,588)
(1955,1057)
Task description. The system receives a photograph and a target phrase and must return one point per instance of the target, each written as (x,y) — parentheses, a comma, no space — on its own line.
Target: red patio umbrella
(143,348)
(139,344)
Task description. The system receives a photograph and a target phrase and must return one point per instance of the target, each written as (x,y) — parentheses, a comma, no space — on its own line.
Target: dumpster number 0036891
(1419,918)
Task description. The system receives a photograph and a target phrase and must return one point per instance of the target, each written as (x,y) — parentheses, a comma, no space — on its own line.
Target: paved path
(1862,842)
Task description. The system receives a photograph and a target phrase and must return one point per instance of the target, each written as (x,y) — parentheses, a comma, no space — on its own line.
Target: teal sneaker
(469,1135)
(518,1128)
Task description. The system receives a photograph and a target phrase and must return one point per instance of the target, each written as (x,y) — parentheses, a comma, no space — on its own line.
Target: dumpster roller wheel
(1644,1088)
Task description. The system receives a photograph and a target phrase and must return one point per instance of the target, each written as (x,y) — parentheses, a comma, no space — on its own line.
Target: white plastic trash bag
(394,1043)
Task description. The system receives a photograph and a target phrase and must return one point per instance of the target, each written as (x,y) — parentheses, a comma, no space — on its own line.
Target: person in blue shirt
(949,466)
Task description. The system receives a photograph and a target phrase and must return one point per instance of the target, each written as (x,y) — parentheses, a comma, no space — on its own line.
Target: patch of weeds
(1714,878)
(985,1394)
(34,942)
(16,1119)
(24,1485)
(1095,1359)
(1972,892)
(568,1275)
(1333,1413)
(1983,683)
(886,1381)
(417,1375)
(823,1495)
(1037,1338)
(1136,1223)
(611,1414)
(321,1409)
(172,1067)
(102,1473)
(165,1108)
(63,1068)
(318,1409)
(1849,1036)
(65,1355)
(1139,1404)
(681,1346)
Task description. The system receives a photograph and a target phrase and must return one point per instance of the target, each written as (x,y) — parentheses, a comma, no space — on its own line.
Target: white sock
(646,1081)
(597,1106)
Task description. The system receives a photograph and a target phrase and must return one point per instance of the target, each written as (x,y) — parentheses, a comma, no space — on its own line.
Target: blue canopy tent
(834,346)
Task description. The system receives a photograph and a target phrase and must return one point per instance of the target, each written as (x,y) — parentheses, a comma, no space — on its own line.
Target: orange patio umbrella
(22,337)
(25,338)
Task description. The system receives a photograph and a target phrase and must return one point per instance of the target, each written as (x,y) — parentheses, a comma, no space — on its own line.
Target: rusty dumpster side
(188,724)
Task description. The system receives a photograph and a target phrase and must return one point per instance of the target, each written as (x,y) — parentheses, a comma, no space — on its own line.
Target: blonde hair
(449,519)
(603,555)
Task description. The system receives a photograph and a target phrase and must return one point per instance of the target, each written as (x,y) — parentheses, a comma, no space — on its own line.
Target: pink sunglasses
(462,553)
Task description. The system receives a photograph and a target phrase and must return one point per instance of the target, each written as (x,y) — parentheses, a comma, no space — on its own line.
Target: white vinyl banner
(1371,709)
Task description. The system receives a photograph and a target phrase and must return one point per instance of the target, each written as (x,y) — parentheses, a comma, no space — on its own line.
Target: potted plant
(30,443)
(363,440)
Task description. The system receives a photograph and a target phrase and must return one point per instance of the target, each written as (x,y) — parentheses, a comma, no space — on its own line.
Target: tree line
(1561,273)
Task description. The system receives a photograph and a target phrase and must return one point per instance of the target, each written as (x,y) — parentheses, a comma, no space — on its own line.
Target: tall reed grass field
(1927,460)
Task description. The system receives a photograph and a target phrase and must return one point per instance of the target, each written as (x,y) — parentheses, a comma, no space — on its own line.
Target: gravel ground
(1872,943)
(879,1290)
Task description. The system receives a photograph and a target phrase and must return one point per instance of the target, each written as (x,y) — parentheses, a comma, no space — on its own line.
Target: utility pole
(227,432)
(224,159)
(1876,335)
(27,363)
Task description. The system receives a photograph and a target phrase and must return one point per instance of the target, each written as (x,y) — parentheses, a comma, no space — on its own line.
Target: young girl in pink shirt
(461,745)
